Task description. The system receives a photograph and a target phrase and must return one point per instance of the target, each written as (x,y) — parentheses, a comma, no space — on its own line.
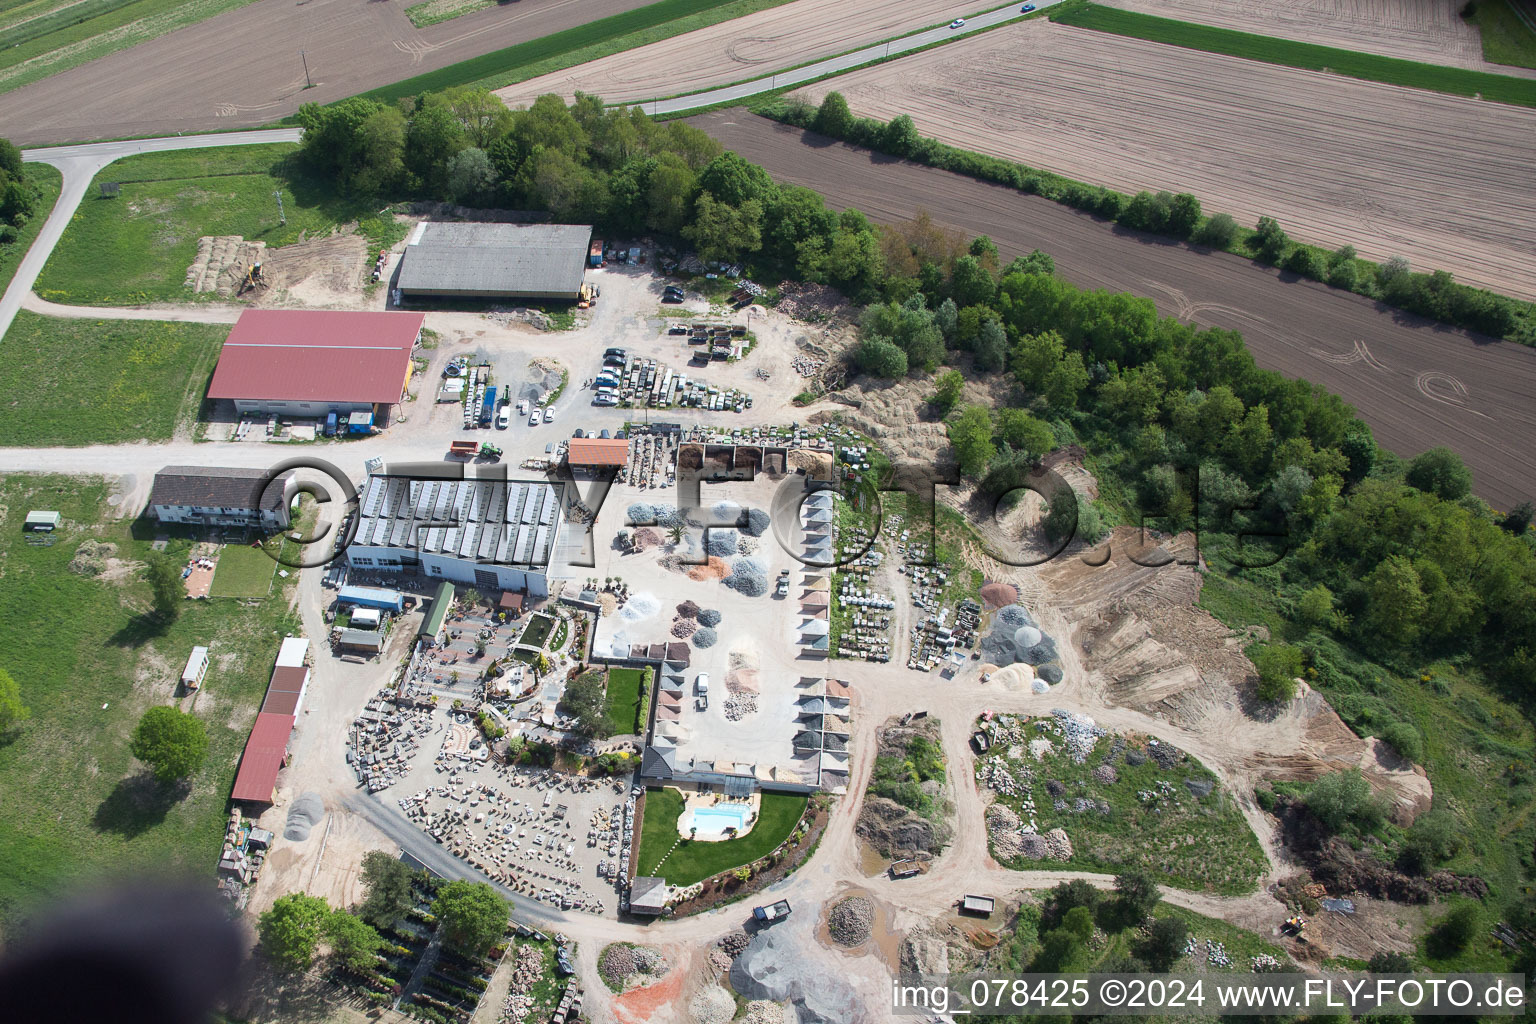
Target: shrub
(1406,740)
(1456,930)
(1343,802)
(1218,232)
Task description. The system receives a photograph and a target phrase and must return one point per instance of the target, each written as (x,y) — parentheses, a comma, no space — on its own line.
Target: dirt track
(1430,31)
(758,44)
(243,68)
(1442,180)
(1418,385)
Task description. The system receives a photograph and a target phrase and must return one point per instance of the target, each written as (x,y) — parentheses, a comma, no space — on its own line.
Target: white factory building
(489,534)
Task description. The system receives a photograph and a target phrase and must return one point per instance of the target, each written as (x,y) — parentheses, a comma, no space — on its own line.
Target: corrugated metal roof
(263,758)
(491,521)
(311,355)
(496,259)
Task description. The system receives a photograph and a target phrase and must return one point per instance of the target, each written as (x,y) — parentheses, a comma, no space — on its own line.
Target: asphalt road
(1418,384)
(79,165)
(845,62)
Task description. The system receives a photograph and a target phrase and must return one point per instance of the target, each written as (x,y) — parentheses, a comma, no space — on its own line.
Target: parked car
(549,415)
(504,418)
(536,417)
(701,684)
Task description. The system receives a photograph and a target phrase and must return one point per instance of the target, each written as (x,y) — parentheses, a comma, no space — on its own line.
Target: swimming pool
(713,821)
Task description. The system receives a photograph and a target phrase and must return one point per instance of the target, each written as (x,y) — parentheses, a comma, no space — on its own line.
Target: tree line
(1435,295)
(18,201)
(583,163)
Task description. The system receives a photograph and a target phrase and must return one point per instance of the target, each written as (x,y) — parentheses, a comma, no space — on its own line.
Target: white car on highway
(957,23)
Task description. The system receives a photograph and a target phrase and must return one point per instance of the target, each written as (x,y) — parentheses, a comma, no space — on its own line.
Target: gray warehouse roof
(505,522)
(491,260)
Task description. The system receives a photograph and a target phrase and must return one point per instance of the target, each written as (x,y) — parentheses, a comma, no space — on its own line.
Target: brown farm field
(734,51)
(1442,180)
(1418,384)
(1430,31)
(231,71)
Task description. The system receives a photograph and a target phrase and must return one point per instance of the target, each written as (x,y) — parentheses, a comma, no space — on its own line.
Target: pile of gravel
(668,516)
(712,1005)
(705,637)
(684,628)
(851,921)
(757,522)
(761,1011)
(307,812)
(689,610)
(1106,775)
(721,543)
(774,967)
(616,964)
(708,617)
(1164,753)
(739,706)
(749,578)
(641,514)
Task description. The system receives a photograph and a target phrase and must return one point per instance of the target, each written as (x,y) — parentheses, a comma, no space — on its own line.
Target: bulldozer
(253,279)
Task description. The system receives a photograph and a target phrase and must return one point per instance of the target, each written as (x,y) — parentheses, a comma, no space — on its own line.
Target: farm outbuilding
(311,362)
(525,262)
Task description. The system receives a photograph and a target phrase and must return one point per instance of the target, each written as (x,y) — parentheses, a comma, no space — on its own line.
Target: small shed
(361,639)
(39,521)
(511,601)
(365,618)
(981,906)
(438,613)
(197,668)
(647,895)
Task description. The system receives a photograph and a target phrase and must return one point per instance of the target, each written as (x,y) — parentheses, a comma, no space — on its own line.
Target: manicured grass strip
(64,40)
(494,70)
(76,805)
(1308,56)
(622,700)
(693,860)
(136,248)
(46,183)
(76,382)
(1506,39)
(243,571)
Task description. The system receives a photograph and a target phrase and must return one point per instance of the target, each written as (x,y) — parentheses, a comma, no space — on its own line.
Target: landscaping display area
(1068,792)
(77,804)
(623,698)
(537,630)
(74,382)
(136,247)
(683,862)
(243,571)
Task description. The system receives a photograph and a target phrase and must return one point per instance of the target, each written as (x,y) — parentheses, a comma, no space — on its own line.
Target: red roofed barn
(264,754)
(301,362)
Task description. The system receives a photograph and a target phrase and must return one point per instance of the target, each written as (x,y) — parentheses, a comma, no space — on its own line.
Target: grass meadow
(1308,56)
(622,700)
(1506,39)
(135,248)
(90,660)
(245,571)
(77,382)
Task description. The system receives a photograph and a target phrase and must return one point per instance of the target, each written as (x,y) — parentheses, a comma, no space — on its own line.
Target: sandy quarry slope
(1424,30)
(1442,180)
(727,53)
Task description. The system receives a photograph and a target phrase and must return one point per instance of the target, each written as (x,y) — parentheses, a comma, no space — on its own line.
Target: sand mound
(714,569)
(999,595)
(745,680)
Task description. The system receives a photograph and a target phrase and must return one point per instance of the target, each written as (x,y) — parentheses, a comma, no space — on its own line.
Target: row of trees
(1435,295)
(584,163)
(472,914)
(18,201)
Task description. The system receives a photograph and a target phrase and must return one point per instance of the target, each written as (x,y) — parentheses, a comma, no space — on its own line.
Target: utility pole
(282,218)
(302,56)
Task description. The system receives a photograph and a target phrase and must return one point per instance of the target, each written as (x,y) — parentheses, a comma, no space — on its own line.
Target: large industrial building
(309,362)
(517,262)
(489,534)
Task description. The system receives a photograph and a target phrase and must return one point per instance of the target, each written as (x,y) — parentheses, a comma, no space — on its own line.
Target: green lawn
(45,182)
(243,571)
(537,631)
(694,861)
(1506,39)
(1146,818)
(572,46)
(136,248)
(75,382)
(1389,70)
(45,37)
(622,699)
(75,804)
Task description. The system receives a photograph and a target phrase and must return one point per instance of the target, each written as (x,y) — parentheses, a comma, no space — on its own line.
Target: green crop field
(1506,38)
(74,382)
(46,183)
(136,248)
(244,571)
(1145,816)
(45,37)
(1372,68)
(694,860)
(76,803)
(573,46)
